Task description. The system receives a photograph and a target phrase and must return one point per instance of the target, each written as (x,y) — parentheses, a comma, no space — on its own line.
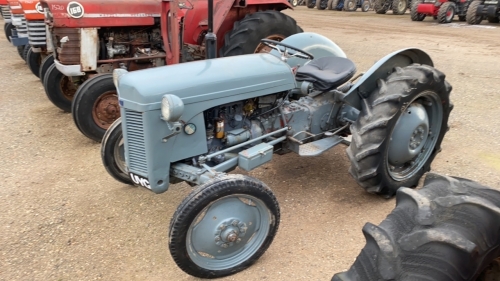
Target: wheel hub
(230,232)
(106,110)
(409,135)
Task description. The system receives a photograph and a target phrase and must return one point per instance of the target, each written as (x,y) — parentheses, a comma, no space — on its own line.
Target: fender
(381,70)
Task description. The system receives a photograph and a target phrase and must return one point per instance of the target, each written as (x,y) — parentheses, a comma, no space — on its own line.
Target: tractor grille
(22,30)
(36,33)
(135,141)
(5,12)
(68,52)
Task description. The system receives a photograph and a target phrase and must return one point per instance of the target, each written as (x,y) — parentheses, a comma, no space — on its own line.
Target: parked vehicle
(398,7)
(298,98)
(18,30)
(7,21)
(442,10)
(483,9)
(353,5)
(87,49)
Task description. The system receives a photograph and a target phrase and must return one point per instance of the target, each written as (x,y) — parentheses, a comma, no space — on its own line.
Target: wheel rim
(449,14)
(261,48)
(401,5)
(414,136)
(67,87)
(119,155)
(106,109)
(228,232)
(295,2)
(350,5)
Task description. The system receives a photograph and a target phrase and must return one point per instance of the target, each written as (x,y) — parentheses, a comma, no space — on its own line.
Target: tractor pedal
(315,148)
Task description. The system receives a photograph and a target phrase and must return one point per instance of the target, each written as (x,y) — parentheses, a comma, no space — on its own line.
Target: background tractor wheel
(20,50)
(380,7)
(294,3)
(415,16)
(400,129)
(493,20)
(246,34)
(44,66)
(334,4)
(224,226)
(472,17)
(365,7)
(7,28)
(59,88)
(351,5)
(446,12)
(34,60)
(447,231)
(311,3)
(26,49)
(329,5)
(113,153)
(95,106)
(399,7)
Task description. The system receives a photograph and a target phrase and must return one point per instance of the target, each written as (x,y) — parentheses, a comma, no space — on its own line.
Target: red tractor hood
(15,7)
(3,2)
(102,13)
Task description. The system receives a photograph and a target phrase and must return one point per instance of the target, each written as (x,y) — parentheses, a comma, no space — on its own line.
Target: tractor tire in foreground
(44,66)
(59,88)
(447,231)
(414,15)
(113,153)
(400,129)
(246,34)
(472,17)
(95,106)
(34,60)
(223,226)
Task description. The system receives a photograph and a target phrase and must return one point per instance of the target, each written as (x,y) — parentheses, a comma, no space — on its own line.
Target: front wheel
(113,153)
(20,50)
(59,88)
(447,231)
(95,106)
(399,7)
(365,7)
(44,66)
(446,12)
(311,3)
(400,129)
(224,226)
(34,60)
(414,15)
(351,5)
(472,16)
(380,6)
(7,29)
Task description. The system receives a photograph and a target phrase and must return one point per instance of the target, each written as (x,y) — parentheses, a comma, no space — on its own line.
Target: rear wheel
(447,231)
(472,16)
(399,7)
(321,4)
(113,153)
(415,16)
(311,3)
(7,29)
(95,106)
(400,129)
(246,34)
(365,7)
(59,88)
(380,7)
(351,5)
(329,5)
(34,60)
(224,226)
(446,12)
(44,66)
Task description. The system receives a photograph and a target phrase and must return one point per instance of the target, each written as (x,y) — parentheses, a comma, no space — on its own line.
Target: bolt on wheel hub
(230,232)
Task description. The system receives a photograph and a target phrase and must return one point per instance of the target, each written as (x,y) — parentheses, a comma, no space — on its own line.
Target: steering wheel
(284,54)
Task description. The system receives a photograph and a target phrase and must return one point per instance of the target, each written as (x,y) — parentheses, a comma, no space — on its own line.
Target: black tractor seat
(326,73)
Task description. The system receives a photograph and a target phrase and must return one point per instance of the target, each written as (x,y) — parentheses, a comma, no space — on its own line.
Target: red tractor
(442,10)
(92,37)
(7,21)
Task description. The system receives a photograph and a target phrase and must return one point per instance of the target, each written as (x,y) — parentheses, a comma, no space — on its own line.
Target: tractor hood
(205,83)
(3,2)
(32,9)
(15,7)
(102,13)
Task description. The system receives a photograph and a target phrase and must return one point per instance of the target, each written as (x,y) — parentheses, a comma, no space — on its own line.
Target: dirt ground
(63,218)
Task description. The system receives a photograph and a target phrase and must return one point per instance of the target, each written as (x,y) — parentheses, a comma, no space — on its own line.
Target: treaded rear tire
(371,133)
(471,16)
(443,11)
(448,231)
(246,34)
(414,15)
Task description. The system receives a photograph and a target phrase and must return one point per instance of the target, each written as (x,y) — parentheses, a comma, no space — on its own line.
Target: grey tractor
(195,122)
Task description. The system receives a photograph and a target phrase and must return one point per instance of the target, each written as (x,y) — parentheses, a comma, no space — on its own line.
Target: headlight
(172,108)
(116,75)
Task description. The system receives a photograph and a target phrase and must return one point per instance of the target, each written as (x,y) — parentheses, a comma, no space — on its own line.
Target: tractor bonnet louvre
(134,132)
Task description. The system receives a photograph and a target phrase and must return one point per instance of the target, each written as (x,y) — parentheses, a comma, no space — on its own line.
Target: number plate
(139,180)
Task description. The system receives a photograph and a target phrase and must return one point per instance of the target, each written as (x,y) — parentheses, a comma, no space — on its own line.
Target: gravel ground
(63,218)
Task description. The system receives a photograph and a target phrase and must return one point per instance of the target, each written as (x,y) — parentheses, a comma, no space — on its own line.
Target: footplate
(315,148)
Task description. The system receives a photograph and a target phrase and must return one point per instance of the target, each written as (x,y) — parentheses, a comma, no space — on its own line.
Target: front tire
(311,3)
(399,7)
(447,231)
(472,17)
(44,66)
(351,5)
(26,49)
(34,60)
(365,7)
(7,29)
(380,6)
(59,88)
(446,12)
(414,15)
(210,231)
(391,147)
(20,50)
(95,106)
(246,34)
(113,153)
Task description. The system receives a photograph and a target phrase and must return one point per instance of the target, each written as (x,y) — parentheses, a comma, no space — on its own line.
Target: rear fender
(381,70)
